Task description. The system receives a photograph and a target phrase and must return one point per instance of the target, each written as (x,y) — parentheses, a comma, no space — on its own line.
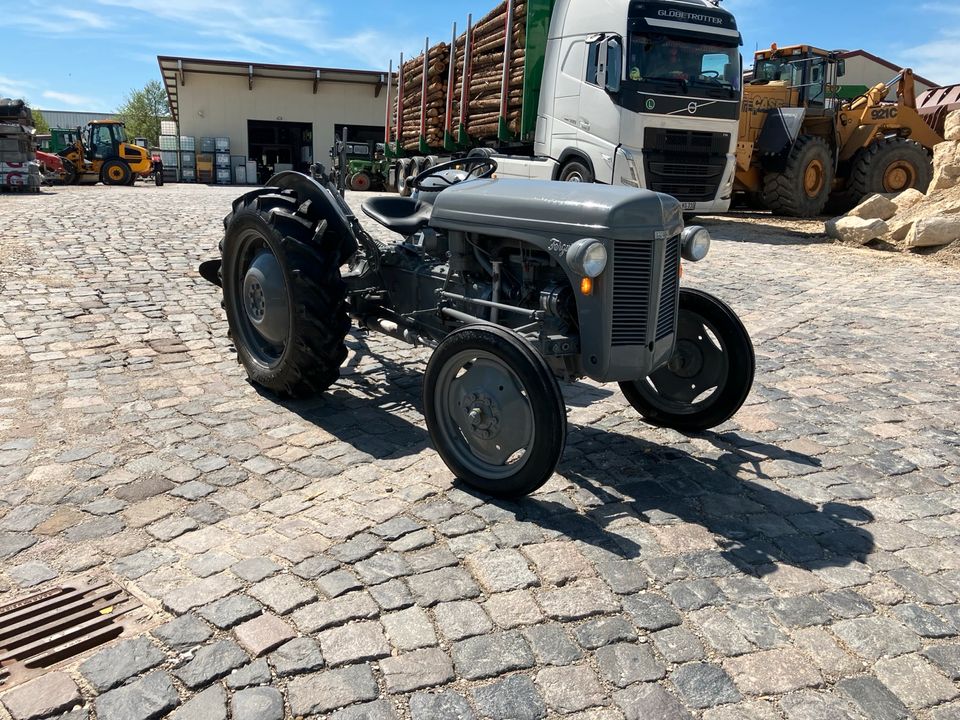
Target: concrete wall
(220,105)
(864,71)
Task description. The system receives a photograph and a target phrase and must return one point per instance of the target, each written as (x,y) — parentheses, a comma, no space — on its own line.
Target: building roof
(886,63)
(71,118)
(175,72)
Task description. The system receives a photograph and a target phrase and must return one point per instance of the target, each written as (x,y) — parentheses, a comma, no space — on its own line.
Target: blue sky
(86,55)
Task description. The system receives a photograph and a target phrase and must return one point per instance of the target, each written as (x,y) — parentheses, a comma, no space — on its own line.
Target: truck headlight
(695,242)
(587,257)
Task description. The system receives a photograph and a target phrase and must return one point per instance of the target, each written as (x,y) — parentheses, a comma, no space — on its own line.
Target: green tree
(143,109)
(40,123)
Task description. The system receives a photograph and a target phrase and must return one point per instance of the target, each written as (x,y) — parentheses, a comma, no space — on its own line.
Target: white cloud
(70,99)
(83,18)
(9,87)
(937,60)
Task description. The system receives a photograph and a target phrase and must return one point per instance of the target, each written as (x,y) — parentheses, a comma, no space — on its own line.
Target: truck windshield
(684,65)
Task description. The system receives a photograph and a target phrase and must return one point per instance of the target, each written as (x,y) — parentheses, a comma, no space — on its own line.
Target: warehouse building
(72,118)
(865,70)
(281,116)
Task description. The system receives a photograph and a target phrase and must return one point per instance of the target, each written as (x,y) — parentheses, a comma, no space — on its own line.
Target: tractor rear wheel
(804,186)
(283,294)
(115,172)
(891,165)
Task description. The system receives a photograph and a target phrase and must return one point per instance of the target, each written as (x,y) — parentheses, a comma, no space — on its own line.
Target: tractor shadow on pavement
(636,496)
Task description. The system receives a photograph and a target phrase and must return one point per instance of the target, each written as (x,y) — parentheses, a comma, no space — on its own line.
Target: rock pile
(911,219)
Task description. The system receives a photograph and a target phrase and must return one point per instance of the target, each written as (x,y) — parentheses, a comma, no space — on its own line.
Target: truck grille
(685,163)
(667,317)
(632,270)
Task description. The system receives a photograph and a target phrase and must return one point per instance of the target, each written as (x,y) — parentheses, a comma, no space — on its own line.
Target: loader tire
(804,186)
(115,172)
(283,294)
(891,165)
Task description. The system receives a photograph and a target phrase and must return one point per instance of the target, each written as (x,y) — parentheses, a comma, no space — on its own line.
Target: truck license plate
(689,206)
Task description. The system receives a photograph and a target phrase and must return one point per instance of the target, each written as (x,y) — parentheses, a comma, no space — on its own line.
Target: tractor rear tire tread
(315,349)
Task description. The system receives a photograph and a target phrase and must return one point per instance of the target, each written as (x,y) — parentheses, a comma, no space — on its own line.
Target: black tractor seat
(402,215)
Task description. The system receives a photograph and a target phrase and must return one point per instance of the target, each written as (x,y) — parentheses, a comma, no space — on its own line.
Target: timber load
(489,108)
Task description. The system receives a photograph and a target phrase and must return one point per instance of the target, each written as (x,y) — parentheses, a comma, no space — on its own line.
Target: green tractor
(366,166)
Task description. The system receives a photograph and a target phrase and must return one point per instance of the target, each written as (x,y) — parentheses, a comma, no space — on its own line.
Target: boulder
(855,229)
(934,231)
(946,166)
(951,126)
(875,207)
(907,199)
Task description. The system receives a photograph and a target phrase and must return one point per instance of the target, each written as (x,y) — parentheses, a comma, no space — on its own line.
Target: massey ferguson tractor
(515,284)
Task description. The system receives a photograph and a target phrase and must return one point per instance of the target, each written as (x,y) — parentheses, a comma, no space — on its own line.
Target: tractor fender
(325,205)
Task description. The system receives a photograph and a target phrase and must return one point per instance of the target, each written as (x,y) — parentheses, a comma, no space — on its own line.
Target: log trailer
(637,93)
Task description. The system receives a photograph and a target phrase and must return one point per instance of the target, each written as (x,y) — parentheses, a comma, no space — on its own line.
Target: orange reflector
(586,286)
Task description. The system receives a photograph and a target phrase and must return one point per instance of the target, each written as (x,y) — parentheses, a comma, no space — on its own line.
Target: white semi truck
(643,93)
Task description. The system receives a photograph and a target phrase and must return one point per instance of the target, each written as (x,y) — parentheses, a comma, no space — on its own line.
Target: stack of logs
(486,77)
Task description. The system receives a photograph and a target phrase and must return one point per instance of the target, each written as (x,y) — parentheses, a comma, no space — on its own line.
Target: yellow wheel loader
(101,153)
(800,147)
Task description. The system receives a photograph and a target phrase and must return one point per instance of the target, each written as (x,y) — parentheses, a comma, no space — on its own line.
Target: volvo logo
(692,108)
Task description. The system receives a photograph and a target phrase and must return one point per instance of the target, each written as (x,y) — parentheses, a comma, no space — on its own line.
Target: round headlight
(587,257)
(696,243)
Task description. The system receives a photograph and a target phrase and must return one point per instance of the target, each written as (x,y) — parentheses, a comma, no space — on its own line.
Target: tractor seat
(399,214)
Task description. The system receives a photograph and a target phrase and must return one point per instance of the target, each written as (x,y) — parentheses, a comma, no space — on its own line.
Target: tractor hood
(541,207)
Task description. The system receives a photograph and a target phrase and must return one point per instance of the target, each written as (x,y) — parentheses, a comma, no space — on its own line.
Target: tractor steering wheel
(482,167)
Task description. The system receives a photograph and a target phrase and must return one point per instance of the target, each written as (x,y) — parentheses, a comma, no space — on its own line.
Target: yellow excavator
(800,147)
(102,153)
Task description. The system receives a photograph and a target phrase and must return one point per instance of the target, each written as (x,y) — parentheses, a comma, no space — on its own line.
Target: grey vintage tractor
(515,284)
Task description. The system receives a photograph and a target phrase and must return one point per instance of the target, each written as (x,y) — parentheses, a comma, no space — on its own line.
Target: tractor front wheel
(360,182)
(115,172)
(284,297)
(804,186)
(494,410)
(710,374)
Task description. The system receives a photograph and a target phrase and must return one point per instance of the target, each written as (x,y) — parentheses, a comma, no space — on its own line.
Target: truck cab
(646,94)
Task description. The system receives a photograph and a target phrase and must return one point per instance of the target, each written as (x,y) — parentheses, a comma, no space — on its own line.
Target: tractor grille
(684,163)
(667,317)
(632,270)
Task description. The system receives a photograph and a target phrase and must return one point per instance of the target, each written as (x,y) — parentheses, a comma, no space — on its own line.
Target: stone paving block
(337,583)
(211,704)
(703,685)
(873,698)
(578,600)
(651,611)
(230,611)
(210,663)
(255,569)
(256,673)
(771,672)
(283,593)
(515,698)
(551,645)
(376,710)
(811,705)
(31,573)
(916,682)
(392,595)
(183,632)
(558,562)
(491,655)
(40,698)
(264,703)
(501,570)
(112,666)
(327,613)
(604,631)
(678,645)
(648,700)
(331,689)
(626,663)
(513,609)
(263,634)
(570,689)
(443,585)
(924,622)
(199,593)
(443,705)
(416,670)
(146,699)
(876,637)
(463,619)
(300,655)
(947,658)
(354,642)
(409,629)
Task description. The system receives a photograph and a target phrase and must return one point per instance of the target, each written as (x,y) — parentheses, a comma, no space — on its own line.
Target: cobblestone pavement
(316,558)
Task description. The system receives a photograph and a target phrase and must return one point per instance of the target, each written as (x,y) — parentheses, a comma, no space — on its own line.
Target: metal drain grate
(55,625)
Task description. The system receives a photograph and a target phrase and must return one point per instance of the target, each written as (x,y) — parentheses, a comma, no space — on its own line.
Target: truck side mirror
(841,68)
(614,65)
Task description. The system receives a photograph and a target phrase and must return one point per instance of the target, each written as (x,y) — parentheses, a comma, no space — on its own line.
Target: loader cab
(807,74)
(104,139)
